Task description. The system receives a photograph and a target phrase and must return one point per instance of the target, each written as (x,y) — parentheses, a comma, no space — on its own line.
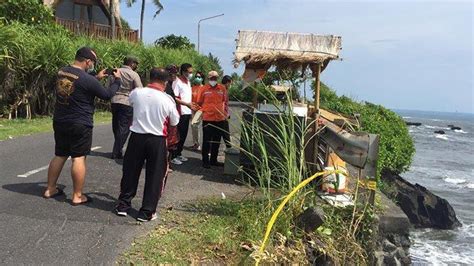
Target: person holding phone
(76,90)
(122,112)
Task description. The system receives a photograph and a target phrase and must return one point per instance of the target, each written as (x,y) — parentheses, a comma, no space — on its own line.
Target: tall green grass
(30,56)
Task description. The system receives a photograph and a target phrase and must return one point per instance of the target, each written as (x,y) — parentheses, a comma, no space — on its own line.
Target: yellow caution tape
(283,203)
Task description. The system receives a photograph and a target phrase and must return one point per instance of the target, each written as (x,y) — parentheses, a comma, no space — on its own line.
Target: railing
(97,30)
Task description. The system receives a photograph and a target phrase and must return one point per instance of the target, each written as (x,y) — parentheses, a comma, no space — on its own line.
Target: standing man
(197,114)
(122,112)
(226,81)
(211,99)
(73,120)
(153,112)
(183,94)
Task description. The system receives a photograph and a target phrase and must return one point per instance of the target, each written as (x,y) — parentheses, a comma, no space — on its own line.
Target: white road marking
(32,172)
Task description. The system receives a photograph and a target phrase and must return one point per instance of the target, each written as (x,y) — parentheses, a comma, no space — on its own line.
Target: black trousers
(183,128)
(211,138)
(152,150)
(226,133)
(122,116)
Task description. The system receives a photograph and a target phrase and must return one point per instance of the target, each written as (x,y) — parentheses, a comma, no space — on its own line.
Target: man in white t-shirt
(153,112)
(183,96)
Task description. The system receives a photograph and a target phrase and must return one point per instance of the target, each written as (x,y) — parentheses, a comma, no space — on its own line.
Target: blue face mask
(198,80)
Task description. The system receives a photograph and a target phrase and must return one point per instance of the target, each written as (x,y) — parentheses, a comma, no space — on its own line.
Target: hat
(87,53)
(172,69)
(131,59)
(213,74)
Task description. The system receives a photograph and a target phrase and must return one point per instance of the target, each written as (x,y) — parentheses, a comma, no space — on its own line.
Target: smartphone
(110,71)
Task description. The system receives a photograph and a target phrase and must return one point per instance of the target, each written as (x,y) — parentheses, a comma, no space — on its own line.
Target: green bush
(396,145)
(30,56)
(31,12)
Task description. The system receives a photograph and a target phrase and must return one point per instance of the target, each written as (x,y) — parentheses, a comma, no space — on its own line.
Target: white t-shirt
(153,111)
(184,92)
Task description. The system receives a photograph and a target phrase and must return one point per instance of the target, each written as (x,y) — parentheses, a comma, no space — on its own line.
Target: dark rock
(413,123)
(455,128)
(310,219)
(450,125)
(390,260)
(440,132)
(388,246)
(423,208)
(406,260)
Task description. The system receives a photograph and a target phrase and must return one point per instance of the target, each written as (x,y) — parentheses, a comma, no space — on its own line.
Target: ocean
(445,165)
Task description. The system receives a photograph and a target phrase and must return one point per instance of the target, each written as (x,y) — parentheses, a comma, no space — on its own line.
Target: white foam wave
(442,137)
(407,117)
(456,181)
(460,131)
(470,185)
(429,248)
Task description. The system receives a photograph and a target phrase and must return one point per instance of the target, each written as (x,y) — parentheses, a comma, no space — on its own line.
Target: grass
(210,231)
(22,127)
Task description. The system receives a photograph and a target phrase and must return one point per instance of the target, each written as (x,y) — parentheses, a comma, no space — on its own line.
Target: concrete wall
(67,10)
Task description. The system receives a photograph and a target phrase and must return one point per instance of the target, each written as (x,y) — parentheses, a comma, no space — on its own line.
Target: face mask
(212,83)
(190,76)
(198,80)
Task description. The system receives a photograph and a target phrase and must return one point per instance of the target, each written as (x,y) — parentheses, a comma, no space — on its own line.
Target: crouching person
(153,112)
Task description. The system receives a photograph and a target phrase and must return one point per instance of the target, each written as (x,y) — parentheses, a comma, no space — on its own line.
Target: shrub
(396,145)
(30,56)
(31,12)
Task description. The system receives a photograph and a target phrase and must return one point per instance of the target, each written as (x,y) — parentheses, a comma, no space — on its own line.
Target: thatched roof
(280,88)
(285,49)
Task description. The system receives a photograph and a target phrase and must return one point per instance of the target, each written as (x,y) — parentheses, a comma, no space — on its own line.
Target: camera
(110,71)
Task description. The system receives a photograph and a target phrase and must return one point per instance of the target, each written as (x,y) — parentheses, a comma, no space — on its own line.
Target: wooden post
(255,98)
(316,75)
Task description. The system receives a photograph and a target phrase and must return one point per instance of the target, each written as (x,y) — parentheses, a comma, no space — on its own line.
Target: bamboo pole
(317,81)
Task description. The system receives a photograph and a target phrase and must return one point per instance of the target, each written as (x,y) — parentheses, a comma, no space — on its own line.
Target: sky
(414,55)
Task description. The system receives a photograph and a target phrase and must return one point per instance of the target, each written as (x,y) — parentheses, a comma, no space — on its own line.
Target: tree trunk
(142,14)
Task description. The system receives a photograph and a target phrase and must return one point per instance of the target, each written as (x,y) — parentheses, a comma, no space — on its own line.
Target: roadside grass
(209,231)
(22,127)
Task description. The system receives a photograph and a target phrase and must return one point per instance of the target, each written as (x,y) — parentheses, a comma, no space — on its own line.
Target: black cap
(130,59)
(87,53)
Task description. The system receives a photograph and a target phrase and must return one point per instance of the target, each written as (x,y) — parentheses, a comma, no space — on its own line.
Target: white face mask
(212,83)
(190,76)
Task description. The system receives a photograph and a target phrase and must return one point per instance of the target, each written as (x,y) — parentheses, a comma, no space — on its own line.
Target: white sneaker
(182,158)
(176,161)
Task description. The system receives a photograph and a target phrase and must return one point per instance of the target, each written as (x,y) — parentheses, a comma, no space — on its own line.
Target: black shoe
(142,217)
(121,210)
(206,165)
(117,156)
(217,164)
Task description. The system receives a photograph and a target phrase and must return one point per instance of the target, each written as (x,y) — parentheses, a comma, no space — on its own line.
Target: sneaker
(182,158)
(176,161)
(142,217)
(120,211)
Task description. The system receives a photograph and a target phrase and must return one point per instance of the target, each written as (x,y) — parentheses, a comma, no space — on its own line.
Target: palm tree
(158,5)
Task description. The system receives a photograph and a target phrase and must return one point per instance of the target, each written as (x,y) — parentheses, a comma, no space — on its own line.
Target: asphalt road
(34,230)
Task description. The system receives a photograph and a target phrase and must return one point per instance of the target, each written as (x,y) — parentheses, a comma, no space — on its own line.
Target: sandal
(88,199)
(59,192)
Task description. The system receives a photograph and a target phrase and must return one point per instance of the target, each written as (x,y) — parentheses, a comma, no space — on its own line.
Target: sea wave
(456,181)
(442,137)
(470,185)
(429,248)
(460,131)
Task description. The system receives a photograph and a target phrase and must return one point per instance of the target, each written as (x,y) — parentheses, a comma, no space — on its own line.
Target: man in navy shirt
(76,90)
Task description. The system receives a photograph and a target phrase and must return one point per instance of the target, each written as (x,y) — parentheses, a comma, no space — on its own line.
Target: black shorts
(73,140)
